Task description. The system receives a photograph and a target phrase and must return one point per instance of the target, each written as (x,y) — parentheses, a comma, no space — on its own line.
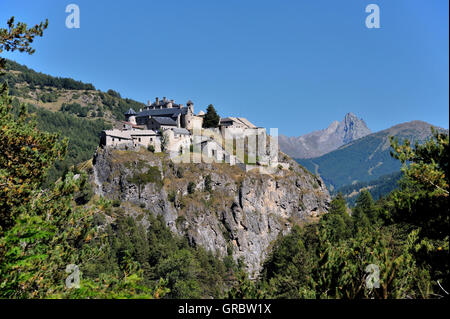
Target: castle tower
(189,117)
(190,106)
(130,116)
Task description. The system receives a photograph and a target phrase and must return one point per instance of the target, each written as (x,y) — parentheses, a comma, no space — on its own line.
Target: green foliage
(422,201)
(37,79)
(341,272)
(191,188)
(405,235)
(189,272)
(337,223)
(319,261)
(245,288)
(365,211)
(290,263)
(19,37)
(42,231)
(26,155)
(114,93)
(34,250)
(48,97)
(208,182)
(74,108)
(211,118)
(82,136)
(85,192)
(377,188)
(171,197)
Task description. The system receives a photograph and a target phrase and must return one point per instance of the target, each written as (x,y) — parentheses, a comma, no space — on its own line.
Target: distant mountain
(367,158)
(324,141)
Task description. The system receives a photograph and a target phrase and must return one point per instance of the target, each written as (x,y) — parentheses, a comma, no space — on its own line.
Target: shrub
(208,183)
(191,188)
(171,196)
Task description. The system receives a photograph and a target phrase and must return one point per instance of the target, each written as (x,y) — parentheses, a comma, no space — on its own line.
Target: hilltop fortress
(165,126)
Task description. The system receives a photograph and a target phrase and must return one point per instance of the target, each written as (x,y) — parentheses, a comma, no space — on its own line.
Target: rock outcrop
(217,206)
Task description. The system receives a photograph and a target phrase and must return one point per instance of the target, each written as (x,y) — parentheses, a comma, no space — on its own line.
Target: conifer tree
(364,212)
(211,119)
(422,201)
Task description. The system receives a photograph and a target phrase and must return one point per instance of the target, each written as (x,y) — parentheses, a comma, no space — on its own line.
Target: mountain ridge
(367,158)
(323,141)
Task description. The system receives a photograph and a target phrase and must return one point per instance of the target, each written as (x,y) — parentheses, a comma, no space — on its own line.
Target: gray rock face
(324,141)
(239,213)
(352,128)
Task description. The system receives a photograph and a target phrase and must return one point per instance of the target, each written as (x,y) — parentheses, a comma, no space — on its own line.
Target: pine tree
(25,153)
(19,37)
(422,201)
(211,119)
(337,222)
(365,211)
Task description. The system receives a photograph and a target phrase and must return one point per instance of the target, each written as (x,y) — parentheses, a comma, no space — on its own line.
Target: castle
(173,128)
(145,127)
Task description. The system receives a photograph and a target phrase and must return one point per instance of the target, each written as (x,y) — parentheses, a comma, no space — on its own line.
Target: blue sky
(295,65)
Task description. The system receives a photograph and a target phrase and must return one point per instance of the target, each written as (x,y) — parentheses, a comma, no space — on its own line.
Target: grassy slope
(45,96)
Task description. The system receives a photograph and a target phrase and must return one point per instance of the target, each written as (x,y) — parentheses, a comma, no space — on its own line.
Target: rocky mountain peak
(324,141)
(353,128)
(333,126)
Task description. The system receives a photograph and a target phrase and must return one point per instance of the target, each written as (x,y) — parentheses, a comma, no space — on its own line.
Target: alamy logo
(73,19)
(227,145)
(373,19)
(373,277)
(73,280)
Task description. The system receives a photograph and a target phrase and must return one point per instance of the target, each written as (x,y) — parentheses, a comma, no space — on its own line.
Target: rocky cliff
(214,205)
(324,141)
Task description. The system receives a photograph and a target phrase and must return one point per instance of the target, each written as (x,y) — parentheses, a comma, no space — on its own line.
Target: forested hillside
(74,109)
(377,188)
